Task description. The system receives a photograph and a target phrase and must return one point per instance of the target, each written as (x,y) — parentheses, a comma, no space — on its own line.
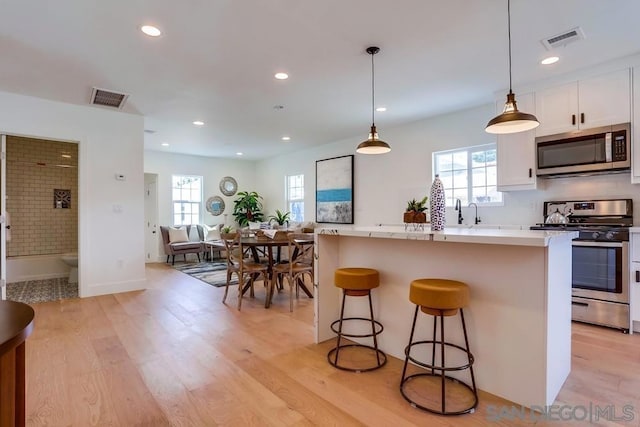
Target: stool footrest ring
(337,322)
(380,355)
(434,367)
(467,410)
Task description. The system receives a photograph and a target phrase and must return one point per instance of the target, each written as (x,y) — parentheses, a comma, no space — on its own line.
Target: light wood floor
(175,355)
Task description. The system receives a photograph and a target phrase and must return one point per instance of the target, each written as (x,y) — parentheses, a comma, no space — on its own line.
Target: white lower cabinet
(634,280)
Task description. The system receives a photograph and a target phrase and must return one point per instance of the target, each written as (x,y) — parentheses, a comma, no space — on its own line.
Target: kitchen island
(519,318)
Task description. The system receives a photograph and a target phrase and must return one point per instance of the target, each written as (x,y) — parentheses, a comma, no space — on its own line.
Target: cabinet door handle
(581,117)
(581,304)
(573,119)
(530,174)
(637,276)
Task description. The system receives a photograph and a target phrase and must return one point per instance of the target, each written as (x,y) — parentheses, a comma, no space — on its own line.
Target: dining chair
(243,268)
(298,266)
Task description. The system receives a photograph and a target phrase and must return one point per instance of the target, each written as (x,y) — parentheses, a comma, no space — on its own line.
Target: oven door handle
(598,244)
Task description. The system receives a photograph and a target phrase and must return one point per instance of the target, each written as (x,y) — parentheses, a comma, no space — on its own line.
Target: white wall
(211,169)
(384,183)
(111,241)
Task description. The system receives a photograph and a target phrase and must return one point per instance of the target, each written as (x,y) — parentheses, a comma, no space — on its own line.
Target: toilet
(72,261)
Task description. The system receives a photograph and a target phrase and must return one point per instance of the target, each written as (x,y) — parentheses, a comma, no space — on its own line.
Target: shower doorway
(40,182)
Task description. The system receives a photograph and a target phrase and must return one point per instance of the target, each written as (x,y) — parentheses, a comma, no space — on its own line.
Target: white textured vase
(437,205)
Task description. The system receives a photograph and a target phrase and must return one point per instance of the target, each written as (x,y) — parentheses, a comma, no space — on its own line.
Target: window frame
(183,202)
(289,200)
(469,185)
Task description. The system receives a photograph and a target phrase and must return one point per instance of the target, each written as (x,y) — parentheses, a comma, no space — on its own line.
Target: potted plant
(415,211)
(247,208)
(280,217)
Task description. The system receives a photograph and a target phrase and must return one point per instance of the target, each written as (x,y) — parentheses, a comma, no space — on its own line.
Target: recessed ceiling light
(165,144)
(550,60)
(198,123)
(286,138)
(150,30)
(238,153)
(381,109)
(281,76)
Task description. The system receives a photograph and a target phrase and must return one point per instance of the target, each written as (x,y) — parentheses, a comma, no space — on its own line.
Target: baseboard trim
(112,288)
(636,326)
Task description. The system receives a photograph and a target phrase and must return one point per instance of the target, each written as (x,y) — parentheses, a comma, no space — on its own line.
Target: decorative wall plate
(228,186)
(215,205)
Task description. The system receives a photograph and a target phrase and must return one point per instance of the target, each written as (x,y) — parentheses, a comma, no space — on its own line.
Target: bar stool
(356,282)
(440,298)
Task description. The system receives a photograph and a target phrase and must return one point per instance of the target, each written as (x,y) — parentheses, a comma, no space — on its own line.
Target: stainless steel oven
(600,258)
(600,283)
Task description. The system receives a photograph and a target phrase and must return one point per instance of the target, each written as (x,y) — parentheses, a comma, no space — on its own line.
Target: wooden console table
(16,324)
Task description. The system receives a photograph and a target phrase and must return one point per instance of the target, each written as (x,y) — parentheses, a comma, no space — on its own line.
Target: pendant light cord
(373,93)
(509,33)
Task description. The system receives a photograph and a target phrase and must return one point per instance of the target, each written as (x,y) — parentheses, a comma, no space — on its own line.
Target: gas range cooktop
(596,220)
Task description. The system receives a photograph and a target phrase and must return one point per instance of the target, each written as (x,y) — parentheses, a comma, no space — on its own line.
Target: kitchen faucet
(477,218)
(459,209)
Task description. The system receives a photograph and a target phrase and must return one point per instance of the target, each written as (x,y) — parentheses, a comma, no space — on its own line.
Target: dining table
(254,243)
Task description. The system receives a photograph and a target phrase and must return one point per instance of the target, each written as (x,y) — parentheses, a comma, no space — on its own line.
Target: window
(186,195)
(295,197)
(469,174)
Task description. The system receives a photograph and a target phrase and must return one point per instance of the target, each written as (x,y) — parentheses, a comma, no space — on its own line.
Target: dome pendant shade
(373,145)
(511,120)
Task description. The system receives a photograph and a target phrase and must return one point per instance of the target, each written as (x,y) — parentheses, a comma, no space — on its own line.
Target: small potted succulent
(280,217)
(415,212)
(227,232)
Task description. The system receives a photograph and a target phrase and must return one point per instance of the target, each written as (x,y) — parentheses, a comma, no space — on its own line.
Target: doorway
(41,209)
(151,242)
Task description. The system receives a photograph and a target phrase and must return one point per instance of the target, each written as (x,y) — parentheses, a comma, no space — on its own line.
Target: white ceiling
(216,59)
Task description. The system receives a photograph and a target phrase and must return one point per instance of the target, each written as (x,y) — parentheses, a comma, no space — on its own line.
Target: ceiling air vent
(107,98)
(563,39)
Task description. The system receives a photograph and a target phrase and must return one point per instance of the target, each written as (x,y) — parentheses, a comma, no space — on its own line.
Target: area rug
(212,273)
(35,291)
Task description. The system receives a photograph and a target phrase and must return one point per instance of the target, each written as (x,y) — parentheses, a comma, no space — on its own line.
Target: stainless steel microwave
(599,149)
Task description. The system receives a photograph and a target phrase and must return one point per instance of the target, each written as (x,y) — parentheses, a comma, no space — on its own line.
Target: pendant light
(511,120)
(373,145)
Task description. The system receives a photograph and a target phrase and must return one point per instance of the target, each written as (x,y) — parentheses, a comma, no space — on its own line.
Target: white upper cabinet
(635,132)
(516,152)
(596,101)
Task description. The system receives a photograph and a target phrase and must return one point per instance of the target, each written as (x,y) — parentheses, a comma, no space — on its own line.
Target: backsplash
(525,207)
(42,214)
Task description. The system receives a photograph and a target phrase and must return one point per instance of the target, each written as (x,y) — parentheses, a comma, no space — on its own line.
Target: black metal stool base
(380,356)
(439,371)
(469,410)
(376,329)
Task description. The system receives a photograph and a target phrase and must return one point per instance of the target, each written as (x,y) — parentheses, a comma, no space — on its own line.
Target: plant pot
(415,217)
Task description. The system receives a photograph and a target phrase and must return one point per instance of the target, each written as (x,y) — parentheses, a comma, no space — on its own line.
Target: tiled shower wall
(35,168)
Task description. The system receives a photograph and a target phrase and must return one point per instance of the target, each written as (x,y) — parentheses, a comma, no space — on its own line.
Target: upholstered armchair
(211,239)
(176,242)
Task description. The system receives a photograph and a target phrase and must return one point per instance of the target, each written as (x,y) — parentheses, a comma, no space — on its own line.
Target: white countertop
(454,234)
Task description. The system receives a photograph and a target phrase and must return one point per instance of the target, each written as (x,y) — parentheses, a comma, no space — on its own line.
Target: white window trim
(469,150)
(201,204)
(287,193)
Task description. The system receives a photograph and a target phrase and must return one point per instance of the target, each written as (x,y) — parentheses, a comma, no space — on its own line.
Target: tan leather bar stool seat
(356,282)
(439,298)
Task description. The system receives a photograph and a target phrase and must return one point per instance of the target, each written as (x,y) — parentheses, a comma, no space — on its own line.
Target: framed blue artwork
(334,190)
